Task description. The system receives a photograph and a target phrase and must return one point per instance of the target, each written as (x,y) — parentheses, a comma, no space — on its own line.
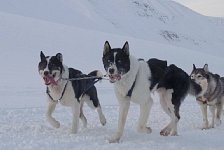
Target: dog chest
(66,98)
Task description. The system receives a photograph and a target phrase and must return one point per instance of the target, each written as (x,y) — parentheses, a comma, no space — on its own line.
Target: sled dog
(59,89)
(212,94)
(135,79)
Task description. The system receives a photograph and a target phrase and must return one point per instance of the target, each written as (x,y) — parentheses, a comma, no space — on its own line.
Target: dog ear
(206,68)
(107,47)
(194,67)
(126,48)
(59,57)
(42,56)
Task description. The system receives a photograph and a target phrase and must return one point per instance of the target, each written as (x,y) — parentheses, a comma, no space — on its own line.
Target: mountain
(161,21)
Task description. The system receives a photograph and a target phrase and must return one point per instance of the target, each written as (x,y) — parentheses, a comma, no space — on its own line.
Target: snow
(78,29)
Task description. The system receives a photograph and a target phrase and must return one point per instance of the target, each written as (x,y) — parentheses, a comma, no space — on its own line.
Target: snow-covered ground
(25,128)
(29,26)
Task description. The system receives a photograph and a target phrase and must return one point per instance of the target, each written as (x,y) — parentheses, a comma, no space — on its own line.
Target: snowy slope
(22,93)
(160,20)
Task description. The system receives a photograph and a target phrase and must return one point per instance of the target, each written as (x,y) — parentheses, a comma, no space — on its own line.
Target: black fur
(178,80)
(80,86)
(157,68)
(122,59)
(55,62)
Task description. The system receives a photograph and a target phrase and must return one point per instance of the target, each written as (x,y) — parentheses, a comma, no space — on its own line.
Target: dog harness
(133,85)
(131,89)
(62,94)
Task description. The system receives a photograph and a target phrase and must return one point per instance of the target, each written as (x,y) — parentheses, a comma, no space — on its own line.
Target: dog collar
(131,89)
(62,94)
(133,85)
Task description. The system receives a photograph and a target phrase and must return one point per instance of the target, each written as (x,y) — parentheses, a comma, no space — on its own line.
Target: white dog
(66,92)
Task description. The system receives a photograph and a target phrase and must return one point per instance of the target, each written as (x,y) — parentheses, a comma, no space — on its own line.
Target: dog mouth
(49,80)
(114,77)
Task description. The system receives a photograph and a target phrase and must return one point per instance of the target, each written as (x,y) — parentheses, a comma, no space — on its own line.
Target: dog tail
(96,73)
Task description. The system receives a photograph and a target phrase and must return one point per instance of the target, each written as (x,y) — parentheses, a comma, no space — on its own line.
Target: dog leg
(166,130)
(204,115)
(123,111)
(212,109)
(101,115)
(93,102)
(168,107)
(174,112)
(144,114)
(50,119)
(219,107)
(75,118)
(82,116)
(98,108)
(174,122)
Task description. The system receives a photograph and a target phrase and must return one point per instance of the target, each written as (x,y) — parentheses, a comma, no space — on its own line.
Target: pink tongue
(118,77)
(49,80)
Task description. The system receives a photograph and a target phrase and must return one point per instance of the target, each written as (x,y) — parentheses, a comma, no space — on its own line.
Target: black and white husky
(135,79)
(212,94)
(66,92)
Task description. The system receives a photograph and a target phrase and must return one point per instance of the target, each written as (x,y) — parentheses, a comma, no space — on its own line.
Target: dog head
(116,61)
(200,76)
(50,68)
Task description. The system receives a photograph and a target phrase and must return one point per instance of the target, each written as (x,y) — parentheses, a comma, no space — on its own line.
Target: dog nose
(46,73)
(111,70)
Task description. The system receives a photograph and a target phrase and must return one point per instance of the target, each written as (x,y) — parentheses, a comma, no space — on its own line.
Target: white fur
(168,107)
(202,82)
(69,100)
(204,87)
(140,73)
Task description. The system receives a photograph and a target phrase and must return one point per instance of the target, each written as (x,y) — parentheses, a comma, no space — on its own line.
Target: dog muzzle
(114,77)
(49,80)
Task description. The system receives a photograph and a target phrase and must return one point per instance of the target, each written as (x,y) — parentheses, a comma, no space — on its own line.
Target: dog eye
(199,76)
(192,76)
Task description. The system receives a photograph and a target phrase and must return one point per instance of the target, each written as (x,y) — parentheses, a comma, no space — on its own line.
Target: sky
(205,7)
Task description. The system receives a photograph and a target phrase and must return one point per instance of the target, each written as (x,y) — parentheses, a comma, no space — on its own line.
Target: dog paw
(165,132)
(211,126)
(55,124)
(103,120)
(173,133)
(147,130)
(218,122)
(114,140)
(204,126)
